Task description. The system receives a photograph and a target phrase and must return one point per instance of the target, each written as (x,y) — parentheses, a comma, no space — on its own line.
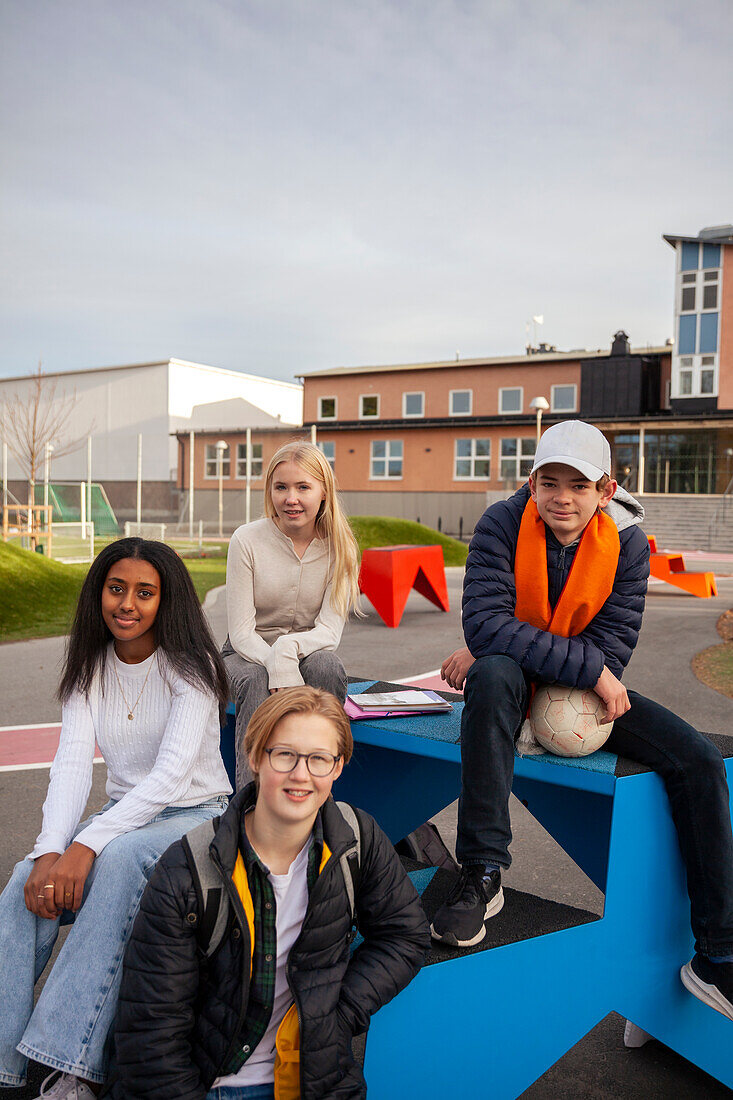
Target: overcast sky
(279,187)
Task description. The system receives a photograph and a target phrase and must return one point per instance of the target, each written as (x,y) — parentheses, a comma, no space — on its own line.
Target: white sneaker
(65,1087)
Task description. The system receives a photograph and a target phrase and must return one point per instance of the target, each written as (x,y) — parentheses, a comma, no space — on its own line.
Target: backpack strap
(351,861)
(214,899)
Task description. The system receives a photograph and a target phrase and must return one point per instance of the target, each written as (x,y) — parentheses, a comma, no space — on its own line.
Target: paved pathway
(676,627)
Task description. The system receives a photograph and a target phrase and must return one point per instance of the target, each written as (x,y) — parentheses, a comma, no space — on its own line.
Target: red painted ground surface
(29,746)
(35,746)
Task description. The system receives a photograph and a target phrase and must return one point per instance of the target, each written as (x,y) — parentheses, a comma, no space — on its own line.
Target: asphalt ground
(676,627)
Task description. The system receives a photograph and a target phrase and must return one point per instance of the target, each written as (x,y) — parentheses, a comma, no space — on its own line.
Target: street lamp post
(540,404)
(47,465)
(221,446)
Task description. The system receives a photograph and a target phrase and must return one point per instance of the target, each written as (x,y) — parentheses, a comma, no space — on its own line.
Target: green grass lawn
(385,531)
(38,596)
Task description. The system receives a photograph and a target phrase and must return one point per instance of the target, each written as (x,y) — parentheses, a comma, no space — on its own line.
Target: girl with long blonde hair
(292,579)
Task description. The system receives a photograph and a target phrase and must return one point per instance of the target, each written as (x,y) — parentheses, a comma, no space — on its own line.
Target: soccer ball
(567,721)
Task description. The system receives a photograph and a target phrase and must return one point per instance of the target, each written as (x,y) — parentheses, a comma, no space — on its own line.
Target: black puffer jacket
(178,1015)
(489,598)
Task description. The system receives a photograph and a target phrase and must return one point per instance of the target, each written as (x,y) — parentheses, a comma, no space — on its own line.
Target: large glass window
(516,458)
(682,462)
(386,459)
(242,460)
(625,456)
(472,459)
(211,469)
(675,462)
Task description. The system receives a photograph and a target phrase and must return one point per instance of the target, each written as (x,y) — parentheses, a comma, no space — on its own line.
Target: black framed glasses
(319,764)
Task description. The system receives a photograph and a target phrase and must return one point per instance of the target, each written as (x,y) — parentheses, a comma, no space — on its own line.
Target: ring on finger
(50,886)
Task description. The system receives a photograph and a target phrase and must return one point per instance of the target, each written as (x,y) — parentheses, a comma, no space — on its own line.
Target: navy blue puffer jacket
(489,599)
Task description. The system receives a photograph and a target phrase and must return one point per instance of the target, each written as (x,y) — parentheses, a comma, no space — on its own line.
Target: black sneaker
(710,982)
(460,920)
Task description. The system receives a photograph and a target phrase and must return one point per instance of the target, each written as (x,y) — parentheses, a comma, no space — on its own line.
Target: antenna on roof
(458,356)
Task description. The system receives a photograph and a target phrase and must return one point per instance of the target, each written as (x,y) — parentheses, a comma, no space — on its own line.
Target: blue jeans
(249,1092)
(496,695)
(68,1029)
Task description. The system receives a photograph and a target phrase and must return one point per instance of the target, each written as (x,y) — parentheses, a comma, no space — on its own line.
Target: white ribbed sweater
(168,755)
(279,605)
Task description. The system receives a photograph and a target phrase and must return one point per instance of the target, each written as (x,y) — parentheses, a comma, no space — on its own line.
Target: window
(710,290)
(472,458)
(564,398)
(516,458)
(326,408)
(687,335)
(328,448)
(386,458)
(460,402)
(242,460)
(695,376)
(689,259)
(211,468)
(368,405)
(687,304)
(413,404)
(710,296)
(510,400)
(707,374)
(708,333)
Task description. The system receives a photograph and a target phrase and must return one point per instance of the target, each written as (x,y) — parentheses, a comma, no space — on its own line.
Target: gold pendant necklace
(130,710)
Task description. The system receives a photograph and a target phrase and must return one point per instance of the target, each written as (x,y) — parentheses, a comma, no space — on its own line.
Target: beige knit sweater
(279,605)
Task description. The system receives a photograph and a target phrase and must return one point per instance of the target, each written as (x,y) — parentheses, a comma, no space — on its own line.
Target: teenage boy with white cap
(527,617)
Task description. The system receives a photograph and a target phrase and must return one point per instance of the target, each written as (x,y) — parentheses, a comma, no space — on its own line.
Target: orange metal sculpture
(671,568)
(388,573)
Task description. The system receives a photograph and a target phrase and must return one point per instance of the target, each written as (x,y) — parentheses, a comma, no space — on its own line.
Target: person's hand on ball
(614,695)
(454,668)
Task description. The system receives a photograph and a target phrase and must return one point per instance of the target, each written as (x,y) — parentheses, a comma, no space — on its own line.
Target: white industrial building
(116,405)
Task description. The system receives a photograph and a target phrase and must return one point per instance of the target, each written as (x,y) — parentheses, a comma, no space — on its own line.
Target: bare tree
(32,420)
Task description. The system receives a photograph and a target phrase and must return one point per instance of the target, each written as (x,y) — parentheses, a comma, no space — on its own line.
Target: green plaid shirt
(264,956)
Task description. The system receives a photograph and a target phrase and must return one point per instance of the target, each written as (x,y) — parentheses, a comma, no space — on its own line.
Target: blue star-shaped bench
(505,1012)
(518,1007)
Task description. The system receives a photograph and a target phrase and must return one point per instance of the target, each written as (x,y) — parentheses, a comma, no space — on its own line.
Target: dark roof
(714,234)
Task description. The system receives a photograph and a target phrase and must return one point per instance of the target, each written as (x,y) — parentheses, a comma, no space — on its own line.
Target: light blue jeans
(69,1027)
(249,1092)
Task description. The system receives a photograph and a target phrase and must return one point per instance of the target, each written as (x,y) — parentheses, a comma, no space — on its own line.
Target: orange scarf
(589,582)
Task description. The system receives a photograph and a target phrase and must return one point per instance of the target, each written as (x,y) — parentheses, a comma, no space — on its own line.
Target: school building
(437,441)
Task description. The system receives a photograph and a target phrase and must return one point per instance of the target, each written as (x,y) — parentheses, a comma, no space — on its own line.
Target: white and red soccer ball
(568,721)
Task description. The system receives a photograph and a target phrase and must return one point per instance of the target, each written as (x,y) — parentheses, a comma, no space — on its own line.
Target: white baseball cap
(577,444)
